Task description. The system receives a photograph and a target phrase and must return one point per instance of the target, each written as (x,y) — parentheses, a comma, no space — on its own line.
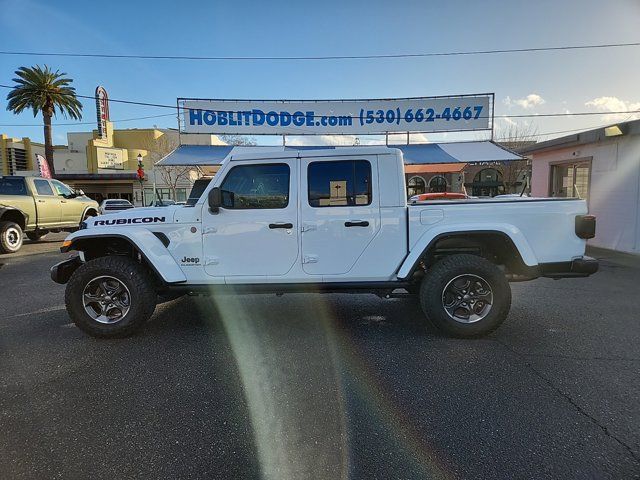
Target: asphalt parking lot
(322,386)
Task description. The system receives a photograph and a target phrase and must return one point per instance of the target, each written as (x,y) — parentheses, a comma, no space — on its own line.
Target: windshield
(198,188)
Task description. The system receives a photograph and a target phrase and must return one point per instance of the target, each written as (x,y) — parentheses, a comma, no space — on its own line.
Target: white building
(601,166)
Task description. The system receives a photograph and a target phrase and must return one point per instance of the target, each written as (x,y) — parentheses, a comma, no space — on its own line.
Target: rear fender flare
(428,239)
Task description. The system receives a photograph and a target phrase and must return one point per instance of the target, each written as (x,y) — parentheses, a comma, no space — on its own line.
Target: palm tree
(46,91)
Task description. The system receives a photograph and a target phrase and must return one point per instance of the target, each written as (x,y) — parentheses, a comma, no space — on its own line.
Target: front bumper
(61,272)
(578,267)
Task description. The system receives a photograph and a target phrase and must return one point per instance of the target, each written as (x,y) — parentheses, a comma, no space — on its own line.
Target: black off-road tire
(10,237)
(447,269)
(35,236)
(134,276)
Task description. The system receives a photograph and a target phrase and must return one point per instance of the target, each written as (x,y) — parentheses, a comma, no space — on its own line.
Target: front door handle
(357,223)
(280,225)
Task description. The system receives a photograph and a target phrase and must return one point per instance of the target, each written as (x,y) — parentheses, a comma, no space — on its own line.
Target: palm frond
(43,90)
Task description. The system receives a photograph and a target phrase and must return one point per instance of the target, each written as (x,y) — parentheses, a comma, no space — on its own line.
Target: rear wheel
(35,236)
(465,296)
(10,237)
(110,297)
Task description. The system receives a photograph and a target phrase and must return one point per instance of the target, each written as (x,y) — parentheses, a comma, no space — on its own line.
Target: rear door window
(339,184)
(12,186)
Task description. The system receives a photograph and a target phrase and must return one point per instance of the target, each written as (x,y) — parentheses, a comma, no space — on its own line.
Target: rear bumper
(578,267)
(61,272)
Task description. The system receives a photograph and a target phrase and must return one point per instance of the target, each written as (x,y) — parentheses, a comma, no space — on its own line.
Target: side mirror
(215,200)
(79,192)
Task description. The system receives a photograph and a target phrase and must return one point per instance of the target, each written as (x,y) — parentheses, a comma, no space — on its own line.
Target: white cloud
(350,140)
(614,104)
(530,101)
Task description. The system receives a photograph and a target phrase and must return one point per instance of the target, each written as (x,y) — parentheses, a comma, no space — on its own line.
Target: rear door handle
(280,225)
(357,223)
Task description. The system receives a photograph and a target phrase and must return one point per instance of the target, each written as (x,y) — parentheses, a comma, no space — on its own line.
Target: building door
(255,233)
(570,179)
(339,212)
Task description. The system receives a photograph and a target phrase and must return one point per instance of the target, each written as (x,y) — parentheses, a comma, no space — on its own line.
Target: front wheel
(465,296)
(10,237)
(110,297)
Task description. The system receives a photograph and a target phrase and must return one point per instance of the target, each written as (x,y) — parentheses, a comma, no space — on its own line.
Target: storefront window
(487,183)
(164,194)
(415,186)
(438,184)
(570,180)
(148,196)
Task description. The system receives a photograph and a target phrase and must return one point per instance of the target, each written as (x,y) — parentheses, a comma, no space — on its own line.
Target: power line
(544,134)
(320,57)
(85,123)
(174,107)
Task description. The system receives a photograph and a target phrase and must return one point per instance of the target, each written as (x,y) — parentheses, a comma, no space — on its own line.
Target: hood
(134,216)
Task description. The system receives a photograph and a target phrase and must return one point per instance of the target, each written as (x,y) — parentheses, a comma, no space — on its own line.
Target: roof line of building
(599,134)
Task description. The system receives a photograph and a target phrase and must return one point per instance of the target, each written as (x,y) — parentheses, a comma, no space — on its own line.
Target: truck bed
(526,220)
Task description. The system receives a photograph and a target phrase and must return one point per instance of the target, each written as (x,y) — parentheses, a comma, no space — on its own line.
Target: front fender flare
(150,246)
(429,237)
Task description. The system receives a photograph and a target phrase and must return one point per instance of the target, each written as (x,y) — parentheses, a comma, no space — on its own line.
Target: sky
(524,83)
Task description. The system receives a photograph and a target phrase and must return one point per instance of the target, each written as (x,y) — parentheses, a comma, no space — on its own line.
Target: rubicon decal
(126,221)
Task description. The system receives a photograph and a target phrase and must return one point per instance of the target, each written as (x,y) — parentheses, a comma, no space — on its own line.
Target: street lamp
(140,175)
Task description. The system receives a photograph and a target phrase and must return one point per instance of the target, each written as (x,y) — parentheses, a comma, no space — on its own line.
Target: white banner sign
(321,117)
(109,159)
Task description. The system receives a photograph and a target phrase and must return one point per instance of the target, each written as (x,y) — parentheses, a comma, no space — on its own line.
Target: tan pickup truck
(37,206)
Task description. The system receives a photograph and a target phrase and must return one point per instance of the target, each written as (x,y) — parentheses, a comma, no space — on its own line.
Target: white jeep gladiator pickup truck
(322,221)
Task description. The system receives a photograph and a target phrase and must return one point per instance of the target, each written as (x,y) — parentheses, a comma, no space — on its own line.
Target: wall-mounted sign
(321,117)
(102,111)
(110,159)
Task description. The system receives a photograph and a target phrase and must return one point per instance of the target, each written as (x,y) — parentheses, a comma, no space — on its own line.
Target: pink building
(601,166)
